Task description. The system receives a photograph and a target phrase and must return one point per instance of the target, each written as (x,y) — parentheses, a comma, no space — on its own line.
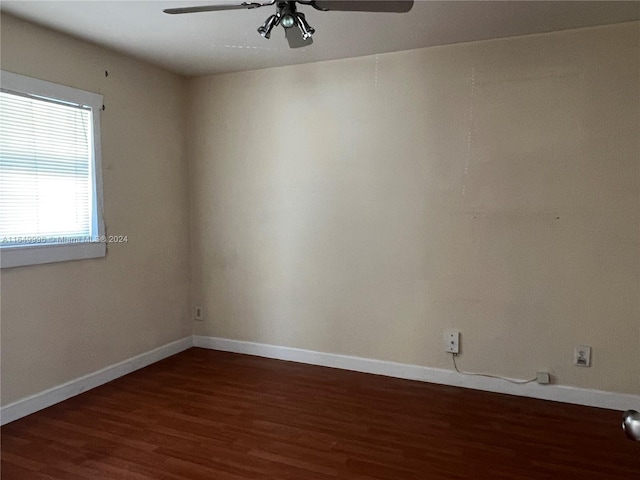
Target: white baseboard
(33,403)
(558,393)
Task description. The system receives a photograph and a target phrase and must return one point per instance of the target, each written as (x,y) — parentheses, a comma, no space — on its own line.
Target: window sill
(39,254)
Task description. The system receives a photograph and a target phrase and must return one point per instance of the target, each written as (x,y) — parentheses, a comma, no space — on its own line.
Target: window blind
(46,178)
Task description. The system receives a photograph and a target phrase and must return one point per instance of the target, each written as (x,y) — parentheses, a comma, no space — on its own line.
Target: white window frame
(33,254)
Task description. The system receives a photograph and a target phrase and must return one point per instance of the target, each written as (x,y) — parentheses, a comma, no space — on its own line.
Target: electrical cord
(518,382)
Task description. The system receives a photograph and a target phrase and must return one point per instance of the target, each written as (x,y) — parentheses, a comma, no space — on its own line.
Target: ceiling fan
(289,17)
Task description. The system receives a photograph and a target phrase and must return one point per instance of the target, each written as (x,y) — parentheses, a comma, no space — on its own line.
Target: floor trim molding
(559,393)
(39,401)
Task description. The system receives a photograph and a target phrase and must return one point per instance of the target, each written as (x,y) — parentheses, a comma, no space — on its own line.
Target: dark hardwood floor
(211,415)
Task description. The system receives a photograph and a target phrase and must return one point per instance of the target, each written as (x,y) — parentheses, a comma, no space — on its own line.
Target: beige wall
(64,320)
(362,206)
(358,206)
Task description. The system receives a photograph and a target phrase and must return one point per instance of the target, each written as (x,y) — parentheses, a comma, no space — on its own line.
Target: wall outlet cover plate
(582,356)
(451,340)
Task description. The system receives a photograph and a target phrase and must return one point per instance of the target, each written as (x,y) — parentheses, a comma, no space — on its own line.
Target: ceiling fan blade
(217,8)
(395,6)
(294,37)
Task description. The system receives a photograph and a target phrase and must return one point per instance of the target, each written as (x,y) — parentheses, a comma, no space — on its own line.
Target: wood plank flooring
(211,415)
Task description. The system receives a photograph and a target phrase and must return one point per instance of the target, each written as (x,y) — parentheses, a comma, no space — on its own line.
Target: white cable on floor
(518,382)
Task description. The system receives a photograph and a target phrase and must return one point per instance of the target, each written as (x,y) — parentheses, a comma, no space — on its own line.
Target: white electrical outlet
(582,356)
(199,313)
(451,341)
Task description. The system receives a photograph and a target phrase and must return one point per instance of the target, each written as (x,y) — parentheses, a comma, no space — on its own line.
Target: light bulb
(288,21)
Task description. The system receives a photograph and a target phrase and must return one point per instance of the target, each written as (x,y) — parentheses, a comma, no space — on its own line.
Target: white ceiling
(227,41)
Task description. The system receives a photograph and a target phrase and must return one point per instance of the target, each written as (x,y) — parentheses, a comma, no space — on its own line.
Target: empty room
(315,240)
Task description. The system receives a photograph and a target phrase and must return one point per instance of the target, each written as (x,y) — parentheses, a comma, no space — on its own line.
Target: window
(50,177)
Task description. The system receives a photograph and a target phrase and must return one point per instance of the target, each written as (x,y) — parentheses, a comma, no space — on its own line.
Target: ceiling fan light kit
(265,29)
(288,16)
